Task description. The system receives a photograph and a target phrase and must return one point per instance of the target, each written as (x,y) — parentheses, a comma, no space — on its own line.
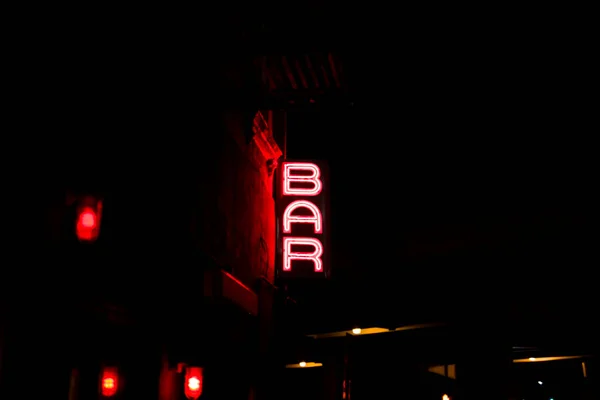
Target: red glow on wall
(193,382)
(302,228)
(109,382)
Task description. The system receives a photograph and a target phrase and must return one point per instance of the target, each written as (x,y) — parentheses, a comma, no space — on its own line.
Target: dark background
(472,168)
(470,129)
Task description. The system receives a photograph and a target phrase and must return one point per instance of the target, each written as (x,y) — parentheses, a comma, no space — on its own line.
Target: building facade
(179,272)
(145,237)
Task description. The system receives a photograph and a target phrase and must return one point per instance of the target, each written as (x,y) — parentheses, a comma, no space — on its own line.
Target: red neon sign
(301,230)
(290,177)
(315,218)
(289,255)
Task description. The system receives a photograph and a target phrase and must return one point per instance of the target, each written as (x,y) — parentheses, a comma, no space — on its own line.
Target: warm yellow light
(544,359)
(356,331)
(371,331)
(305,364)
(445,397)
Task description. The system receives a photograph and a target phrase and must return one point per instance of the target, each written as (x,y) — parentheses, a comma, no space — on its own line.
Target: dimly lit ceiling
(300,80)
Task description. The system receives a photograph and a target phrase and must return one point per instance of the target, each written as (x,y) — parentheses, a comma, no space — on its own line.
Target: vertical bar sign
(302,225)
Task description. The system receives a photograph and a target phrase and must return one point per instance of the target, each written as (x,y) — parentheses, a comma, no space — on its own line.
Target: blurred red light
(110,382)
(88,219)
(193,383)
(87,224)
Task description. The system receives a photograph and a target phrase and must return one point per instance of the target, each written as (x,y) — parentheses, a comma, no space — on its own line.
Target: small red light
(109,384)
(88,219)
(88,223)
(193,383)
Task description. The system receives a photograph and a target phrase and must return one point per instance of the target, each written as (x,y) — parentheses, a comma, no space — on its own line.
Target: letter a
(316,218)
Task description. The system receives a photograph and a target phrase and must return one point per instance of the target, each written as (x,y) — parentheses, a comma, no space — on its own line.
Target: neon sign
(302,231)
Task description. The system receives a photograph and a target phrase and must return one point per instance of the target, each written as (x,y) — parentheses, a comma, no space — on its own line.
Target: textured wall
(238,224)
